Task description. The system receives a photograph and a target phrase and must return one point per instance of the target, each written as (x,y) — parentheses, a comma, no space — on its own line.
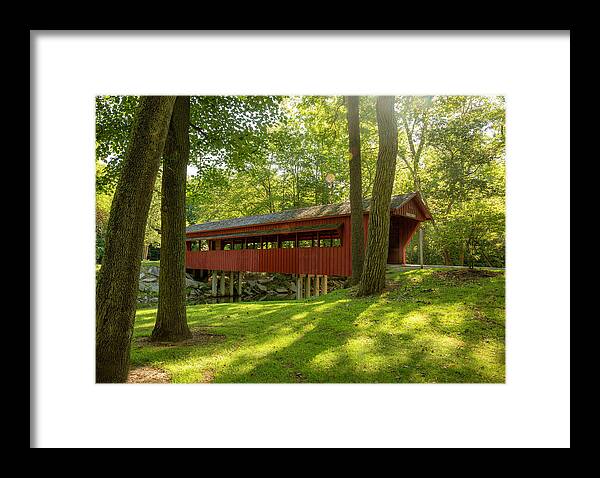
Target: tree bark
(356,199)
(373,277)
(116,289)
(171,321)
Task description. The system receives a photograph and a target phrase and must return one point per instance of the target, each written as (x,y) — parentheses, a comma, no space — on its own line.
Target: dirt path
(147,374)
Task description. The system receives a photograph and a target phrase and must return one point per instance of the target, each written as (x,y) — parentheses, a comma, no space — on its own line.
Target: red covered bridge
(312,241)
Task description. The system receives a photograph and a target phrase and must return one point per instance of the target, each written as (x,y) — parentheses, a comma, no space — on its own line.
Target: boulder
(191,283)
(281,290)
(261,287)
(148,286)
(153,270)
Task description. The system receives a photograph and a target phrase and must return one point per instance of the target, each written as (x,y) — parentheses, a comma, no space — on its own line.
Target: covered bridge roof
(311,212)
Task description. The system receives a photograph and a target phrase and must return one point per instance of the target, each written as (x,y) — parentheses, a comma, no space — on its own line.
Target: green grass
(146,264)
(424,329)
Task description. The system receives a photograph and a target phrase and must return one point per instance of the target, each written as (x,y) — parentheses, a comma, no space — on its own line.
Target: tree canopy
(261,154)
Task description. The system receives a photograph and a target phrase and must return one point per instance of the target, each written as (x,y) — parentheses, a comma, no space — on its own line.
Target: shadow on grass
(421,331)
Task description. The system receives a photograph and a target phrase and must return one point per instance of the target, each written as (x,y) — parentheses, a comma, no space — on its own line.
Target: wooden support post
(214,283)
(324,285)
(240,284)
(231,276)
(421,247)
(299,286)
(222,288)
(308,276)
(317,285)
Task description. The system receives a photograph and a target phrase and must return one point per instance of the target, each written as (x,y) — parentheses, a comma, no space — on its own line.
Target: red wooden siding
(334,261)
(301,260)
(411,210)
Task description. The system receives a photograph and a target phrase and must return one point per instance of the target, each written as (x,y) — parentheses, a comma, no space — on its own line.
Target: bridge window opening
(330,238)
(253,243)
(269,242)
(288,241)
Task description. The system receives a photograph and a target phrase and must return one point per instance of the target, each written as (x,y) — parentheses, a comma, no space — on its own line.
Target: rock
(264,281)
(189,276)
(191,283)
(261,287)
(150,279)
(153,270)
(148,286)
(293,287)
(281,290)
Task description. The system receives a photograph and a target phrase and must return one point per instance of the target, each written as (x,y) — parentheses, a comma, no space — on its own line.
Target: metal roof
(311,212)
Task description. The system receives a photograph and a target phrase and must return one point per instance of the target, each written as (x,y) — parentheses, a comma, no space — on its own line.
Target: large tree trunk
(356,199)
(117,286)
(373,278)
(171,322)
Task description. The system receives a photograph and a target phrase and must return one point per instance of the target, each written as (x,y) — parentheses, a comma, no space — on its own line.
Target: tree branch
(200,130)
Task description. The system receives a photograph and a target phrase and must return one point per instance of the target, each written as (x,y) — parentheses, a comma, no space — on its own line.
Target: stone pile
(255,287)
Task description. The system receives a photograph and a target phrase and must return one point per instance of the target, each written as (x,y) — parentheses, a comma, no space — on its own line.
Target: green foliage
(103,202)
(114,118)
(472,233)
(230,131)
(152,234)
(224,130)
(296,155)
(428,328)
(104,196)
(261,154)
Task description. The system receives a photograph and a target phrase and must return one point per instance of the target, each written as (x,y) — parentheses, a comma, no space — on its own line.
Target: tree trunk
(447,259)
(373,277)
(117,286)
(356,199)
(145,253)
(171,322)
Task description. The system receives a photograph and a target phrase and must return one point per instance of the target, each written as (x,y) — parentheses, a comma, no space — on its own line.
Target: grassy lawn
(146,264)
(428,327)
